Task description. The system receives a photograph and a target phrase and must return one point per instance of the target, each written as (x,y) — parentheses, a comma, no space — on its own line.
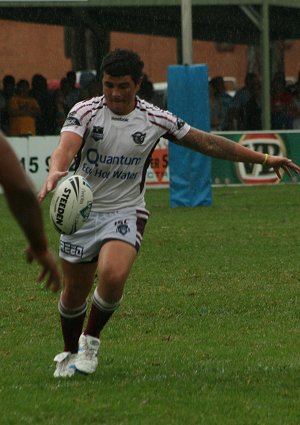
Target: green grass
(209,331)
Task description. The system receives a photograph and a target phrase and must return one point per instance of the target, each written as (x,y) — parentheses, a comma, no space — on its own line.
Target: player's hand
(50,183)
(277,162)
(49,269)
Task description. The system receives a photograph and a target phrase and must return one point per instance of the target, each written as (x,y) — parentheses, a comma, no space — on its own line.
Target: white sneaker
(64,364)
(87,357)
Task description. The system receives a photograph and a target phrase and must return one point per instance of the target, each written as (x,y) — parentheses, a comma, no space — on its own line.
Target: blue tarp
(190,171)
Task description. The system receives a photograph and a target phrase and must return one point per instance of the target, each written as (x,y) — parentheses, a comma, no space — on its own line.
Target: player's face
(120,93)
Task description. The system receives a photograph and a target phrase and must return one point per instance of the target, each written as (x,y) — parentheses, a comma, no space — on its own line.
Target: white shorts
(84,246)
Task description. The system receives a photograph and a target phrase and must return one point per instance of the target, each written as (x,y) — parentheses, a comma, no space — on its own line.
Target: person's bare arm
(220,147)
(24,205)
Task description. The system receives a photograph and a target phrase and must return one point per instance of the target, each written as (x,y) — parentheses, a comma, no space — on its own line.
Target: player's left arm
(220,147)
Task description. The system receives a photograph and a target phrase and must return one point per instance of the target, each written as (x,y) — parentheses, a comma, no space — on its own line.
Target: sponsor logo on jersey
(70,249)
(97,133)
(138,137)
(122,227)
(180,123)
(269,143)
(93,157)
(114,118)
(70,121)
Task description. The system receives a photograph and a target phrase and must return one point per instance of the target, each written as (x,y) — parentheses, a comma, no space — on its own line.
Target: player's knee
(113,277)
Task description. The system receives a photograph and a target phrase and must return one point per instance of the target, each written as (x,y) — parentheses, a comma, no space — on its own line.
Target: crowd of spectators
(36,109)
(243,111)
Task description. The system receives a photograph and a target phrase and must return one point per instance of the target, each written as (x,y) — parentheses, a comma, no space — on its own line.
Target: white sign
(35,152)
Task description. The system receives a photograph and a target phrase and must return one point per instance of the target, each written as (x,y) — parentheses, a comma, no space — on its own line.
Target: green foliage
(208,332)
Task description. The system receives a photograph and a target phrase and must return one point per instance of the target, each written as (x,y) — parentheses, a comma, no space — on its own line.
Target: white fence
(34,154)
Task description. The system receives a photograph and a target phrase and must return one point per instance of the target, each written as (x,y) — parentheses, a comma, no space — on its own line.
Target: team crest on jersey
(97,133)
(122,227)
(138,137)
(180,123)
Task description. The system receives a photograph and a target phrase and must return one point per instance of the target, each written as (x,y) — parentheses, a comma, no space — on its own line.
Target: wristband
(266,159)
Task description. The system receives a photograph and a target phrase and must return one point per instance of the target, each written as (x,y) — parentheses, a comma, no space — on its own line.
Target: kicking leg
(78,280)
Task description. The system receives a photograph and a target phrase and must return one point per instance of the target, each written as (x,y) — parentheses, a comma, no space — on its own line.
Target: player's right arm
(60,162)
(24,206)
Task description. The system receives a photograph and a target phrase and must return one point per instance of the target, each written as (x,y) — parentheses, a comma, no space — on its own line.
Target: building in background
(28,49)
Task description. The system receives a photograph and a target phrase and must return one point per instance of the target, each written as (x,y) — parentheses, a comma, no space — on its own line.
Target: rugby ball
(71,205)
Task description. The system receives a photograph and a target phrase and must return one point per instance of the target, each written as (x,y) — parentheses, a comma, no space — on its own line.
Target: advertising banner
(34,154)
(286,143)
(274,143)
(158,171)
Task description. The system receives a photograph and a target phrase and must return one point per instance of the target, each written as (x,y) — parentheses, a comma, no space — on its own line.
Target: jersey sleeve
(177,128)
(171,126)
(78,119)
(182,128)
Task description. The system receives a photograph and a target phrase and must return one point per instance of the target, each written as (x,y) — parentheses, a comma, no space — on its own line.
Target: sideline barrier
(34,154)
(286,143)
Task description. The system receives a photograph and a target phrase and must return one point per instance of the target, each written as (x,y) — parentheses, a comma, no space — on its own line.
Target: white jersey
(116,149)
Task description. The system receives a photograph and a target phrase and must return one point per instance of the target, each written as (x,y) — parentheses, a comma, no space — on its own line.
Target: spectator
(86,77)
(2,107)
(221,104)
(39,91)
(146,90)
(253,109)
(75,94)
(237,112)
(23,110)
(93,89)
(296,99)
(8,90)
(213,109)
(65,86)
(282,104)
(59,114)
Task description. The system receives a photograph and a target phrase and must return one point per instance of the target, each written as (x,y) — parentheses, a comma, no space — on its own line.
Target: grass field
(208,334)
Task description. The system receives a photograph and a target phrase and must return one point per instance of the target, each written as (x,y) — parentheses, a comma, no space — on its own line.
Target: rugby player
(112,137)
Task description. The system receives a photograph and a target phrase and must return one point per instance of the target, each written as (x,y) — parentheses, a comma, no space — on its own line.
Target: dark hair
(8,80)
(38,82)
(71,75)
(250,78)
(23,83)
(120,62)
